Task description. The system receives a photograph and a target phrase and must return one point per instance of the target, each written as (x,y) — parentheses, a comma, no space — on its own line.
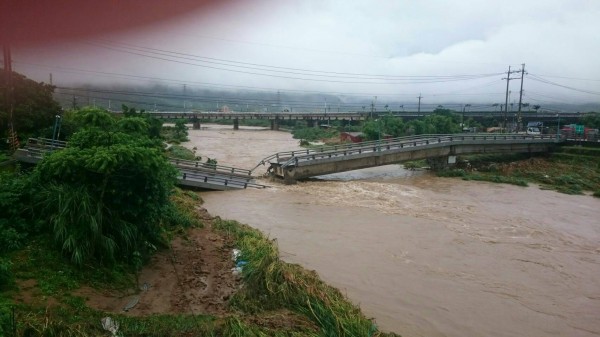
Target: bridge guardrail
(218,180)
(349,146)
(346,146)
(211,167)
(412,141)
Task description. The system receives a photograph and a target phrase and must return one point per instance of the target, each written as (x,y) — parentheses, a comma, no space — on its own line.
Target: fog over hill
(188,98)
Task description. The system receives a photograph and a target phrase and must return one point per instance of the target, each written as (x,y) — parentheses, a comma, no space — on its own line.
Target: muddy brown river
(426,256)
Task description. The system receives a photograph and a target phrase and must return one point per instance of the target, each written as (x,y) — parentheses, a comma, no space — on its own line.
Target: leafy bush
(180,152)
(15,218)
(6,276)
(5,314)
(105,194)
(452,173)
(313,134)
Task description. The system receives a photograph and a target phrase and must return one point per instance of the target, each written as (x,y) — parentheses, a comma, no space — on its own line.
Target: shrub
(6,276)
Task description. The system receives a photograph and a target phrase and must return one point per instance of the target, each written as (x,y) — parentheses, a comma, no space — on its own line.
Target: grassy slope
(571,170)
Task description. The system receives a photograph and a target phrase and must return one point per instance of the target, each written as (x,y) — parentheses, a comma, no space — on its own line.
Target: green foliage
(564,171)
(591,120)
(105,193)
(414,164)
(130,111)
(6,276)
(15,217)
(6,309)
(181,152)
(212,162)
(452,173)
(151,126)
(433,124)
(154,127)
(133,126)
(496,179)
(94,117)
(382,127)
(181,211)
(181,133)
(313,134)
(83,227)
(34,107)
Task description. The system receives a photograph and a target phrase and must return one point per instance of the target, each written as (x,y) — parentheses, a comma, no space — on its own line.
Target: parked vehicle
(533,131)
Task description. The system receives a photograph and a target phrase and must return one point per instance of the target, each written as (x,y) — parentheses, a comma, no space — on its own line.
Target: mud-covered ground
(194,276)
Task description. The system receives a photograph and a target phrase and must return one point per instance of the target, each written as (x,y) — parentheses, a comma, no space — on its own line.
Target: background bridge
(439,149)
(314,118)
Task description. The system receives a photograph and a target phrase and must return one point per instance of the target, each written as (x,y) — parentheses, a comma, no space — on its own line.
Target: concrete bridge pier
(196,124)
(443,162)
(275,124)
(236,124)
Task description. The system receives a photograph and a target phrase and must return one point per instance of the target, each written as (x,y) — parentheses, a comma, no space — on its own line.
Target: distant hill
(186,98)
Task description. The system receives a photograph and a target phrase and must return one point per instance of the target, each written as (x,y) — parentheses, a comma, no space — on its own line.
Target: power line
(541,80)
(310,71)
(569,78)
(245,88)
(174,59)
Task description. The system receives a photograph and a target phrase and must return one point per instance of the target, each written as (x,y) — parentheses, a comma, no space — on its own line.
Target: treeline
(442,121)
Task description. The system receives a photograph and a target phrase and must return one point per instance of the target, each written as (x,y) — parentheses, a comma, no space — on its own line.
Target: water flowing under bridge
(440,150)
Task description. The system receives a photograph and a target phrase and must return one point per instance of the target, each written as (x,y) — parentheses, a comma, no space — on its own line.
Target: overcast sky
(448,51)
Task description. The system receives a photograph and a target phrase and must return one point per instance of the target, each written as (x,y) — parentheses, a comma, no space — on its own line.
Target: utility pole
(373,105)
(14,141)
(185,92)
(419,108)
(50,78)
(279,101)
(519,117)
(507,78)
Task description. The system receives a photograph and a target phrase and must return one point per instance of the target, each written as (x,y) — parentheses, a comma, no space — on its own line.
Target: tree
(434,124)
(181,132)
(386,125)
(33,106)
(591,120)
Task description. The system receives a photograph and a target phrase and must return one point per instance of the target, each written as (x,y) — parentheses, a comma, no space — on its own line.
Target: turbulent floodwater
(428,256)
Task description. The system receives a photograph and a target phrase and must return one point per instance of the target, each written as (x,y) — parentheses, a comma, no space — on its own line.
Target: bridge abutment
(440,163)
